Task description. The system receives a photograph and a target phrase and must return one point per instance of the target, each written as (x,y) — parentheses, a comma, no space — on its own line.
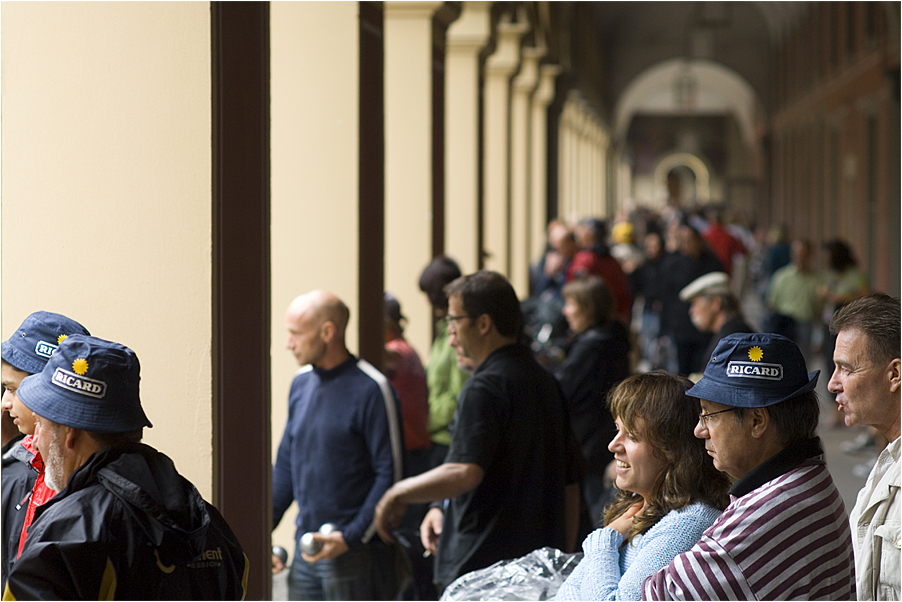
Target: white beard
(54,475)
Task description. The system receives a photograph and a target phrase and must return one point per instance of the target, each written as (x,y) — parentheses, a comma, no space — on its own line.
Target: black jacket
(127,527)
(678,271)
(597,360)
(18,480)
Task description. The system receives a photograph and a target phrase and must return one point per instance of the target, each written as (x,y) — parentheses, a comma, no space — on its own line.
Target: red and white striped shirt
(787,539)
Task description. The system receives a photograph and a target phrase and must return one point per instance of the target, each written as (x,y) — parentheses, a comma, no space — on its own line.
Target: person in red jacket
(594,259)
(25,353)
(724,245)
(405,372)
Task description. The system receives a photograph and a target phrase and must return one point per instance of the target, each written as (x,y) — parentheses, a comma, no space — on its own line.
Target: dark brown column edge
(438,135)
(442,18)
(242,473)
(371,192)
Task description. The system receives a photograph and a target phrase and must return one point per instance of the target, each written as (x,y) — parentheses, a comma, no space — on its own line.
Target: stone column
(566,160)
(465,38)
(408,160)
(538,190)
(500,66)
(523,86)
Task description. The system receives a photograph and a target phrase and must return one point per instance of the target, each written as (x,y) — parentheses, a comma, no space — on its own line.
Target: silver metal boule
(309,546)
(281,553)
(327,528)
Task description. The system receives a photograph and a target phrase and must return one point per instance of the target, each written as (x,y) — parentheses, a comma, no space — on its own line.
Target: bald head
(316,323)
(323,306)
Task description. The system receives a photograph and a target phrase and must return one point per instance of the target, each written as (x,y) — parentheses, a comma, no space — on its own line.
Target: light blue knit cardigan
(609,573)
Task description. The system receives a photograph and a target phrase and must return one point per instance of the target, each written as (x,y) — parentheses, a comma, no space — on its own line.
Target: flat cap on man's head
(713,283)
(89,384)
(754,371)
(29,348)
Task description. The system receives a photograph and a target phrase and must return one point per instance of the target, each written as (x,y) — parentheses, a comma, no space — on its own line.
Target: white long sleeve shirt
(875,522)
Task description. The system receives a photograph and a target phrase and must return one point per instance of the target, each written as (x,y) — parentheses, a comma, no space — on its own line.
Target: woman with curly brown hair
(668,490)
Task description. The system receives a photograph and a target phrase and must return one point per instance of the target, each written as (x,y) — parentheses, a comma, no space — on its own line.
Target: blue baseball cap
(89,384)
(754,371)
(36,339)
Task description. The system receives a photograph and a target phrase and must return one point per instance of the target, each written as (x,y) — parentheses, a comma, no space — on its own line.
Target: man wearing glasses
(785,534)
(511,476)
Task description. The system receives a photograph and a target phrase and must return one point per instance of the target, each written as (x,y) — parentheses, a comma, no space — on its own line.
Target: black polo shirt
(511,421)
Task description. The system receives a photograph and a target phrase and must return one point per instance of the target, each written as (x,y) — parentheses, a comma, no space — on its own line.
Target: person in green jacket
(443,375)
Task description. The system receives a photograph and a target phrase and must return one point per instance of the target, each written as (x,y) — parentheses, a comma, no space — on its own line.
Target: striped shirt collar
(777,465)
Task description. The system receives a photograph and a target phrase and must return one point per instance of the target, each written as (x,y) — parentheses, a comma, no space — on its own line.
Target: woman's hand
(622,523)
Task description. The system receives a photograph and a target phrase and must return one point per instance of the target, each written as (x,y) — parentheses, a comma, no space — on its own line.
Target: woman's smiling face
(637,466)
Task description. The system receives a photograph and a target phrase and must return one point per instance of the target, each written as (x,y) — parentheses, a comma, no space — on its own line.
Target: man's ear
(72,436)
(327,331)
(718,303)
(484,324)
(759,420)
(893,374)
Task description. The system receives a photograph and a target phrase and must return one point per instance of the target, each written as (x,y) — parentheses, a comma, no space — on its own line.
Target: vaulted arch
(694,163)
(681,87)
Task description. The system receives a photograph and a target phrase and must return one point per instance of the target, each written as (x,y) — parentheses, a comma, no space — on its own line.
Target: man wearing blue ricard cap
(125,524)
(785,534)
(24,353)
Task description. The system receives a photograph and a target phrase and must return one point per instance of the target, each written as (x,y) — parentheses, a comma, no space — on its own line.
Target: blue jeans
(365,573)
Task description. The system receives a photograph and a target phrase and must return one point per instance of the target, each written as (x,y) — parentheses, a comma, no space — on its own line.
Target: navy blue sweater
(341,450)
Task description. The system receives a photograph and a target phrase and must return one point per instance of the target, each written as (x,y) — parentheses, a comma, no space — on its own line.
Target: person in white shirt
(866,382)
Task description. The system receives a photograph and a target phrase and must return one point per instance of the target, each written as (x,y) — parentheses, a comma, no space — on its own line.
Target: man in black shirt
(511,477)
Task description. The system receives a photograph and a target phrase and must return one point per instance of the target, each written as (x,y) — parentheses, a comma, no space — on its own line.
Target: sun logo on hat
(755,354)
(61,338)
(80,366)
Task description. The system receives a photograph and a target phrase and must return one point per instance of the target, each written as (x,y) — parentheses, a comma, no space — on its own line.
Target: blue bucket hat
(89,384)
(36,339)
(754,371)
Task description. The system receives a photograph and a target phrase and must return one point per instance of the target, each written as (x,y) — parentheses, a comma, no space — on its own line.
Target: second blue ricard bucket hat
(754,371)
(29,348)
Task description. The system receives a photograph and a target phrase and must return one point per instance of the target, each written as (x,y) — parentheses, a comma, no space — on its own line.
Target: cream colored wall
(314,133)
(106,193)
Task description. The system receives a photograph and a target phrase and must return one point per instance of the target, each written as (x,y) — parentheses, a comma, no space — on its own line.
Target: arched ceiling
(741,36)
(716,90)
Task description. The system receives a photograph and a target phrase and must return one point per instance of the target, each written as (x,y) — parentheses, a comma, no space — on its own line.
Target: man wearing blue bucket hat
(785,534)
(125,524)
(24,353)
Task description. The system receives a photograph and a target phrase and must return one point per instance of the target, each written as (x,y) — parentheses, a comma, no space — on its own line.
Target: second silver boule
(311,547)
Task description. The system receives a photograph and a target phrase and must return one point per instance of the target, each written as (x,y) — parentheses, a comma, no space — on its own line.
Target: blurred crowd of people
(791,287)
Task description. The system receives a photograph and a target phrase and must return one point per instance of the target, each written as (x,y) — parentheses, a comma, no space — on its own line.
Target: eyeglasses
(703,418)
(449,319)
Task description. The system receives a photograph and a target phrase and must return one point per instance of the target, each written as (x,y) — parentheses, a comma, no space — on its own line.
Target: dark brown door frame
(242,473)
(371,191)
